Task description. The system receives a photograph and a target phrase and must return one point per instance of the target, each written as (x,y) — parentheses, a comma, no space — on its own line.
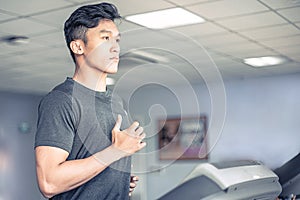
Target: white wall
(18,179)
(262,123)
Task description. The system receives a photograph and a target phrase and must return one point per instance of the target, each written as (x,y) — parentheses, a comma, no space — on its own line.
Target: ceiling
(234,30)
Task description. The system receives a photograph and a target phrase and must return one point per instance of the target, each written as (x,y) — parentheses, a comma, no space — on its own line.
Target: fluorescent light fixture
(264,61)
(151,56)
(110,81)
(165,18)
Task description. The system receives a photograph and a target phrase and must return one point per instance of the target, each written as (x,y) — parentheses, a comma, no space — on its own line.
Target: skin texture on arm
(56,175)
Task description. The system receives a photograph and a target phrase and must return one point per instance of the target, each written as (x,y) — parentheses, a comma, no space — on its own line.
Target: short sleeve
(56,122)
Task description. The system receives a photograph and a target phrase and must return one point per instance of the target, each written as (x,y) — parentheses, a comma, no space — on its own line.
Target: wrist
(109,155)
(117,152)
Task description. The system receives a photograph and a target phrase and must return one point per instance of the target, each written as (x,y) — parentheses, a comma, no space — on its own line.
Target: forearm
(71,174)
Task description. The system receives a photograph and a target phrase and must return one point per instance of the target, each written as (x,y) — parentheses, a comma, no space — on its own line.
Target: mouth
(115,58)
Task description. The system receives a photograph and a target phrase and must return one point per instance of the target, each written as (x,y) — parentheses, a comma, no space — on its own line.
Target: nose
(115,47)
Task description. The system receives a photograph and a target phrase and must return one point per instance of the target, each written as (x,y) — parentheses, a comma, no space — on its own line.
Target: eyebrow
(107,31)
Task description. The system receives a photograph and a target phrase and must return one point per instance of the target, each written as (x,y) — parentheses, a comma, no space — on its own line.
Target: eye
(105,38)
(118,40)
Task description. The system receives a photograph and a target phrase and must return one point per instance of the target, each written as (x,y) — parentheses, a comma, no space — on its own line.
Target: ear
(77,47)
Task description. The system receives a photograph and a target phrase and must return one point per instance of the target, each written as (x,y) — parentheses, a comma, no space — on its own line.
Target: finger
(133,126)
(139,130)
(132,185)
(142,145)
(118,122)
(142,136)
(135,178)
(132,178)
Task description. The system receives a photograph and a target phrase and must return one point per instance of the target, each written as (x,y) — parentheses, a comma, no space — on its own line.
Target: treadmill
(237,180)
(289,178)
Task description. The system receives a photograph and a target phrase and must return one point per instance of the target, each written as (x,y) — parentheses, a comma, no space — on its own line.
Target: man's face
(102,49)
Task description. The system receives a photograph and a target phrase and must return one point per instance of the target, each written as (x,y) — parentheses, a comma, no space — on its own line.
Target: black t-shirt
(79,120)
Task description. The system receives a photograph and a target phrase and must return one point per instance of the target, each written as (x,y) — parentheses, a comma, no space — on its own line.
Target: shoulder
(60,94)
(59,98)
(56,98)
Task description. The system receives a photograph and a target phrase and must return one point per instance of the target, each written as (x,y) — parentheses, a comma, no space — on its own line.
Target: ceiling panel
(125,26)
(276,4)
(82,1)
(52,55)
(295,57)
(218,58)
(227,8)
(271,32)
(10,50)
(50,39)
(203,29)
(46,69)
(221,40)
(246,73)
(291,13)
(40,81)
(21,27)
(32,6)
(252,21)
(245,50)
(143,6)
(29,58)
(290,50)
(142,38)
(89,1)
(4,16)
(2,34)
(282,42)
(252,53)
(188,2)
(129,7)
(56,18)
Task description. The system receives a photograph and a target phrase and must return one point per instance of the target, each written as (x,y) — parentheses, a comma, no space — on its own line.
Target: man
(84,140)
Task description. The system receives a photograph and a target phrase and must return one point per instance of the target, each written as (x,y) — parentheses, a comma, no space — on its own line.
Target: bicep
(48,158)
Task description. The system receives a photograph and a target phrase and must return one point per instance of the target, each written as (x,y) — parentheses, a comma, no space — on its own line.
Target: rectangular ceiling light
(165,18)
(264,61)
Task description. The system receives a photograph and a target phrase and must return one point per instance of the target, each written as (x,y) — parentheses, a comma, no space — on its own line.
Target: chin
(112,72)
(113,68)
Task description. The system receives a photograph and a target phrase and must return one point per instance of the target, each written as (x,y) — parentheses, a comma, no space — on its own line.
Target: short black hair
(87,17)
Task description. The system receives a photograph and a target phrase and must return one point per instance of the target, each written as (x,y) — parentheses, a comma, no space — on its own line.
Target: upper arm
(47,159)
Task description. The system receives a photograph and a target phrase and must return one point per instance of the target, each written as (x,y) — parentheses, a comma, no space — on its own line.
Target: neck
(89,78)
